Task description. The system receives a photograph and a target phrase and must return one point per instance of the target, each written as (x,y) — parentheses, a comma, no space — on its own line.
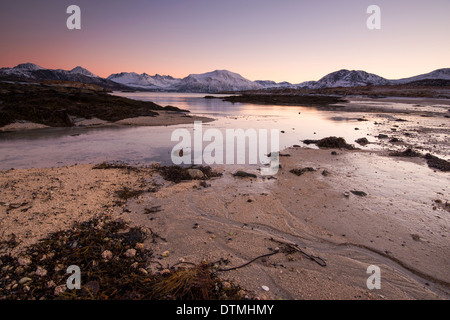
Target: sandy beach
(403,232)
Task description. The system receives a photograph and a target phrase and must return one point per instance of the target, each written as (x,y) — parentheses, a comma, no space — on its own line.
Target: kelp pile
(114,264)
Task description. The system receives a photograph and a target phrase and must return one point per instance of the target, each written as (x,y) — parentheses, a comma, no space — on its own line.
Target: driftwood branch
(293,247)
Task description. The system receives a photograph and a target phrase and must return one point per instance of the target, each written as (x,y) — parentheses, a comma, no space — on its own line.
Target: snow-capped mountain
(30,71)
(21,70)
(346,78)
(210,82)
(439,74)
(83,71)
(269,84)
(144,81)
(216,81)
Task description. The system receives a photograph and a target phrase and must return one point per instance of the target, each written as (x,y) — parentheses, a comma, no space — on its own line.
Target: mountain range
(210,82)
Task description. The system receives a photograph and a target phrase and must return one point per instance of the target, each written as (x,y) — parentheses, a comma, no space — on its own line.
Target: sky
(284,40)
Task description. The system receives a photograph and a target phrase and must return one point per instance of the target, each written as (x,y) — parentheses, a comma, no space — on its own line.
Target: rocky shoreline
(40,105)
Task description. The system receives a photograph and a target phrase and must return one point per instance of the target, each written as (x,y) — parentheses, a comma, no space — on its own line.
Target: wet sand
(164,118)
(396,226)
(401,224)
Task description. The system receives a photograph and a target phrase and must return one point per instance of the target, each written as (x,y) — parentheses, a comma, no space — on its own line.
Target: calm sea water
(143,145)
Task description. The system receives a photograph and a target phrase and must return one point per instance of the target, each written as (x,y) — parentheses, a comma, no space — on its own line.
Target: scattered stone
(24,261)
(107,255)
(130,253)
(243,174)
(358,193)
(407,153)
(362,141)
(437,163)
(299,172)
(139,246)
(25,280)
(41,272)
(265,288)
(331,142)
(325,173)
(195,174)
(59,290)
(165,254)
(382,136)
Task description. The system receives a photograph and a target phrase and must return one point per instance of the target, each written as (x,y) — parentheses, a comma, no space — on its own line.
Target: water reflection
(65,146)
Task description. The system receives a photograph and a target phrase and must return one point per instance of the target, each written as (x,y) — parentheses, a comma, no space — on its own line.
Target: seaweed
(114,265)
(127,193)
(177,173)
(437,163)
(331,142)
(299,172)
(407,153)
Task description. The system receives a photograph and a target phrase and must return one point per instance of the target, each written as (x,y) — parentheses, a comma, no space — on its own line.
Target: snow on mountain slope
(216,81)
(145,81)
(347,78)
(83,71)
(441,74)
(21,70)
(269,84)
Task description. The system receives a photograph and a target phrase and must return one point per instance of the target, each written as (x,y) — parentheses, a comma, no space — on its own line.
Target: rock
(358,193)
(226,285)
(24,261)
(165,271)
(437,163)
(130,253)
(143,271)
(165,254)
(265,288)
(26,288)
(41,272)
(51,284)
(362,141)
(382,136)
(139,246)
(244,174)
(107,255)
(325,173)
(299,172)
(195,174)
(60,290)
(25,280)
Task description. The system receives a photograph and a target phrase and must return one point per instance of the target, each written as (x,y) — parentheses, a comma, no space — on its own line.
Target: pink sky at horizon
(287,40)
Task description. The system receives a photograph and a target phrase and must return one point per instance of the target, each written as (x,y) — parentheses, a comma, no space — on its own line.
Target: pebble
(140,246)
(24,261)
(107,255)
(195,174)
(265,288)
(130,253)
(60,290)
(41,272)
(143,271)
(25,280)
(165,254)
